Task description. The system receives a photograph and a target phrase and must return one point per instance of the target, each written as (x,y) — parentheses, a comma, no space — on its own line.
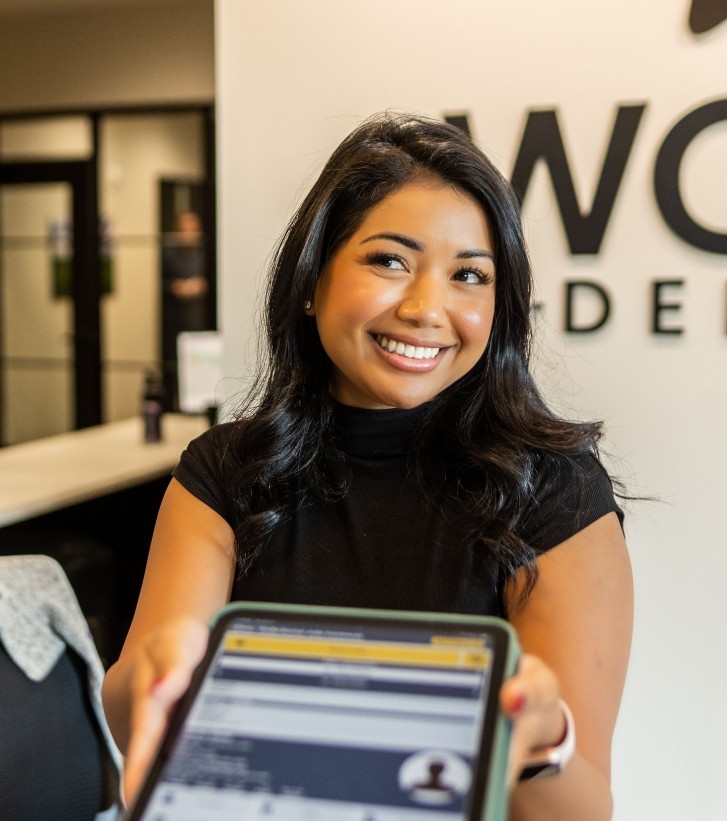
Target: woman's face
(404,308)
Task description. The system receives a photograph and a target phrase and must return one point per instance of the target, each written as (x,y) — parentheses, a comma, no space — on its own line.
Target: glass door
(49,351)
(36,311)
(85,221)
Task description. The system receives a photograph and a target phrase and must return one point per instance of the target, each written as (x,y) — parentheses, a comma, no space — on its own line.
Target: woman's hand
(188,577)
(531,700)
(162,669)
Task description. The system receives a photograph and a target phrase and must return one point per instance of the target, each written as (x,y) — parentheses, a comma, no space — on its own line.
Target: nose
(424,301)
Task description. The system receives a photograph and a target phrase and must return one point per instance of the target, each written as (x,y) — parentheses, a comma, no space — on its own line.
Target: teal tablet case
(496,794)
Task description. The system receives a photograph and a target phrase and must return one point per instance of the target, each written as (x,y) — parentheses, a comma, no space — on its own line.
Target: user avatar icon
(435,777)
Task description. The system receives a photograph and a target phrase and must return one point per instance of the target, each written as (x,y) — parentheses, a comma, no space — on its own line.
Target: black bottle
(152,407)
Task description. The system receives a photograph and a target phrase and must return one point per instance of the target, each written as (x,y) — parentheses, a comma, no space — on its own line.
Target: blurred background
(106,137)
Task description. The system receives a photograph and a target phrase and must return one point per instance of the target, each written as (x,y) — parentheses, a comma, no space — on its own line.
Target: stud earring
(307,305)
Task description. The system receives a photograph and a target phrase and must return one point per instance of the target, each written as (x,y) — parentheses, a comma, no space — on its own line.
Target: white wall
(294,78)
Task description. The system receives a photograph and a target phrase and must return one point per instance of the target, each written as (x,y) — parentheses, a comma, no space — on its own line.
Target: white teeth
(410,351)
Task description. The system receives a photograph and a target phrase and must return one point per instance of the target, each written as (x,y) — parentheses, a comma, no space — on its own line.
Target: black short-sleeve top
(385,544)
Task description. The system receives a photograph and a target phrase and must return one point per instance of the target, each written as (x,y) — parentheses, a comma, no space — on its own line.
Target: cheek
(476,323)
(349,304)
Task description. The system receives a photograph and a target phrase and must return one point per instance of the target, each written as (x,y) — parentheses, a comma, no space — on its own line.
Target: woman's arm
(575,627)
(188,576)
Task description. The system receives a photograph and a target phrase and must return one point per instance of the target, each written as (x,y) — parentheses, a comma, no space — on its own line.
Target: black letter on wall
(658,307)
(460,121)
(542,140)
(666,178)
(570,289)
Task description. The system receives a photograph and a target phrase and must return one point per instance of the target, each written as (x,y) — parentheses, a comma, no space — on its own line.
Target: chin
(408,404)
(405,402)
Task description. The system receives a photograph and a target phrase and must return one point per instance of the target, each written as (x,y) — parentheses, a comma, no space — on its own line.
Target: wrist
(551,760)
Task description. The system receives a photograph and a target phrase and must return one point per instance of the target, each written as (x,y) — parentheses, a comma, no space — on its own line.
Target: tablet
(328,714)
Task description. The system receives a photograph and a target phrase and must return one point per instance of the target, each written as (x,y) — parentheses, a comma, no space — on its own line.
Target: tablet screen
(301,719)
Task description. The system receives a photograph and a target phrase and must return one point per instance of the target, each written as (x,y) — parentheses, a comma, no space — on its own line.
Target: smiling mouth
(409,351)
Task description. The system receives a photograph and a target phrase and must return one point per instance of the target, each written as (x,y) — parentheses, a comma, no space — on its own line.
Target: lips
(405,349)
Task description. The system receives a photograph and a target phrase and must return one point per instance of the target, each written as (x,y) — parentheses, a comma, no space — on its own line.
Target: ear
(309,308)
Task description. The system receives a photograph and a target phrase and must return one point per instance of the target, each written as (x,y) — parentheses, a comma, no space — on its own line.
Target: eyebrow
(415,245)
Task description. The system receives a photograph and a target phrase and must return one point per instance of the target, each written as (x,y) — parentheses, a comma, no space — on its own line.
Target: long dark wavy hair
(484,438)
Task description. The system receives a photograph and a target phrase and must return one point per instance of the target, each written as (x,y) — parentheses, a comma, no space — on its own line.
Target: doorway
(50,355)
(187,300)
(80,258)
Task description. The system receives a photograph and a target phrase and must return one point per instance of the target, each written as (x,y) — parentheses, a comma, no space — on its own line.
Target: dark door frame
(81,175)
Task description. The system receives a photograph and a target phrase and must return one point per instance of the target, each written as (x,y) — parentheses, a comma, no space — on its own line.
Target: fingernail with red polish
(518,704)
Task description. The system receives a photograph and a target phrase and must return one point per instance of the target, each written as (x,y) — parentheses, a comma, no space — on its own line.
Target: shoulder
(209,465)
(215,446)
(569,492)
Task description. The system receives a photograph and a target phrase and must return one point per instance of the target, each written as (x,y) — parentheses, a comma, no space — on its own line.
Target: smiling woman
(395,453)
(404,307)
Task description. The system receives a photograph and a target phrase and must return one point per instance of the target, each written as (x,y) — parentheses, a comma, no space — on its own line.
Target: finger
(150,716)
(530,700)
(534,689)
(149,722)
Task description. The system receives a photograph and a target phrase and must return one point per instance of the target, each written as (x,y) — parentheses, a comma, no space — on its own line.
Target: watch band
(551,760)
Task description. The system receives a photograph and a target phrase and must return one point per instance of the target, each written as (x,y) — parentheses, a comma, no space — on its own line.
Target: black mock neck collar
(378,433)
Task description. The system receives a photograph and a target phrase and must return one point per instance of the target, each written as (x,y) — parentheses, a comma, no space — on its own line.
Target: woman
(396,453)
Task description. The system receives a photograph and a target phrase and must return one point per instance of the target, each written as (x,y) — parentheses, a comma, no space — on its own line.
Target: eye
(473,276)
(381,259)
